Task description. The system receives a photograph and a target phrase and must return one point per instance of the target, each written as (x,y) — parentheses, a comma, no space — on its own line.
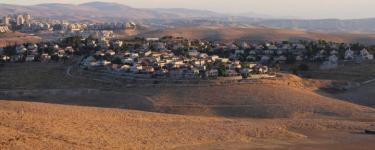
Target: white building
(193,53)
(349,54)
(6,20)
(4,29)
(366,55)
(20,20)
(27,18)
(332,63)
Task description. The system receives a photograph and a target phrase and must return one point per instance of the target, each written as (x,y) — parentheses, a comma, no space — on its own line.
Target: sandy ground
(256,34)
(12,38)
(272,115)
(25,125)
(272,99)
(317,140)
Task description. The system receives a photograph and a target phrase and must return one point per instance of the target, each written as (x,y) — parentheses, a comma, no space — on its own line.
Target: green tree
(10,50)
(116,60)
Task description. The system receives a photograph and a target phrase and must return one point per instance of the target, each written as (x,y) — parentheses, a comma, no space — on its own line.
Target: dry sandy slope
(285,97)
(257,34)
(26,125)
(55,126)
(12,38)
(257,100)
(29,125)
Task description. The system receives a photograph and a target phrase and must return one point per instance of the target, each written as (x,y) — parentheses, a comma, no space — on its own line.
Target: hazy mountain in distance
(106,6)
(324,25)
(251,14)
(190,13)
(107,12)
(102,10)
(60,10)
(259,34)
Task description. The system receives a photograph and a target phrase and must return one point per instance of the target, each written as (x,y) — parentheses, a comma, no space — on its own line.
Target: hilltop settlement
(168,57)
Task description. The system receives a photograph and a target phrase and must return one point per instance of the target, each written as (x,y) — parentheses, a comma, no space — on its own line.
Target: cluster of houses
(111,26)
(333,60)
(35,52)
(60,28)
(180,58)
(295,52)
(177,57)
(165,63)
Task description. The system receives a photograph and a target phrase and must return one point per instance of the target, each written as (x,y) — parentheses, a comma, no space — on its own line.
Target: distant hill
(259,34)
(104,12)
(331,25)
(105,6)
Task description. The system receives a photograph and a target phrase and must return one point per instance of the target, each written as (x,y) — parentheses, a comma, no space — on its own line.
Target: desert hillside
(290,96)
(259,101)
(12,38)
(45,108)
(177,75)
(25,125)
(56,126)
(259,34)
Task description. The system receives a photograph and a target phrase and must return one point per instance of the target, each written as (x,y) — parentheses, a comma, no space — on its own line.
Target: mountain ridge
(107,12)
(103,9)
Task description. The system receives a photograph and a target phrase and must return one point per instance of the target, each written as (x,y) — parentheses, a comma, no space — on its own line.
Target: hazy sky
(289,8)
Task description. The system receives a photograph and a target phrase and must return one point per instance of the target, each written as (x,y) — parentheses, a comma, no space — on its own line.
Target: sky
(307,9)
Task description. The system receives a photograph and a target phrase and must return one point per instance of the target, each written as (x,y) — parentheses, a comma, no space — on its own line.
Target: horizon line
(271,17)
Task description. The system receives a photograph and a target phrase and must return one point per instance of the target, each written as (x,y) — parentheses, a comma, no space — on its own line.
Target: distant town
(59,28)
(168,57)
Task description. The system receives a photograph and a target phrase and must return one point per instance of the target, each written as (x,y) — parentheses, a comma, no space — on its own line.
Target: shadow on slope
(257,101)
(48,83)
(363,95)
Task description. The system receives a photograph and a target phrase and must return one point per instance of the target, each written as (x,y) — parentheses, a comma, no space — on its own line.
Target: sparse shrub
(303,67)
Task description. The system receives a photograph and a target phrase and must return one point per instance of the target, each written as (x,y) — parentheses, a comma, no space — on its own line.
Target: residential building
(6,21)
(20,20)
